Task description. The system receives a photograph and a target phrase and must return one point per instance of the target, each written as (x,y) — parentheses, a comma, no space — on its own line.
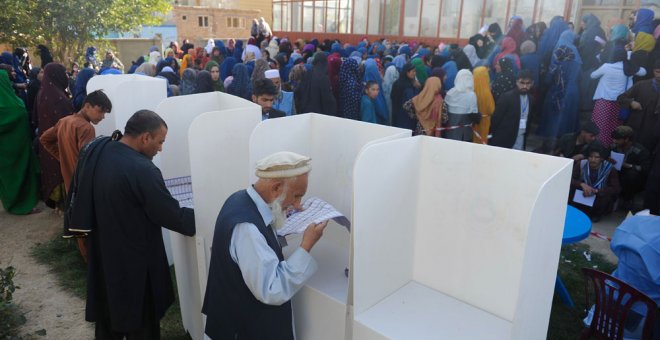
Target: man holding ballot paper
(250,285)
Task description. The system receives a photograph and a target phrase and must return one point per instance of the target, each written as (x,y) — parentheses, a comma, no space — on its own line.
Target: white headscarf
(154,57)
(461,99)
(209,46)
(471,53)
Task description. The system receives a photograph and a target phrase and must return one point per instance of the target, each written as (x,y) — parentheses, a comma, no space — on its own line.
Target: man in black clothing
(636,163)
(128,279)
(574,145)
(263,93)
(510,119)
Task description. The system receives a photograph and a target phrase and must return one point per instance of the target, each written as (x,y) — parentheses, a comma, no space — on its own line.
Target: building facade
(430,20)
(198,24)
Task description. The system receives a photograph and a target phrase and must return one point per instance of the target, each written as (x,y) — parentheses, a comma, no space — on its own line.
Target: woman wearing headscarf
(535,31)
(371,72)
(461,59)
(80,90)
(641,54)
(19,168)
(462,110)
(589,46)
(210,44)
(403,90)
(312,95)
(240,86)
(508,50)
(231,45)
(485,104)
(516,31)
(549,39)
(52,104)
(238,51)
(186,62)
(146,69)
(504,79)
(295,77)
(614,78)
(560,108)
(214,69)
(530,60)
(172,78)
(619,38)
(135,64)
(480,44)
(422,73)
(226,67)
(350,89)
(260,68)
(644,21)
(391,76)
(36,75)
(451,70)
(251,47)
(204,82)
(334,64)
(428,107)
(188,82)
(471,53)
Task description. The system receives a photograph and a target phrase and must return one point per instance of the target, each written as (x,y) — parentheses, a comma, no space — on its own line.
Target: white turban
(283,164)
(270,74)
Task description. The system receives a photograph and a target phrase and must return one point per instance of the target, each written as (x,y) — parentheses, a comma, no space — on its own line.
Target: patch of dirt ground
(46,306)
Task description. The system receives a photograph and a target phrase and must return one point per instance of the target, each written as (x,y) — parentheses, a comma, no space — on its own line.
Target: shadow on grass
(566,322)
(63,258)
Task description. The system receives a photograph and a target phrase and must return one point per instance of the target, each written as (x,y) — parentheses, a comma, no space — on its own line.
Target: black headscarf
(204,82)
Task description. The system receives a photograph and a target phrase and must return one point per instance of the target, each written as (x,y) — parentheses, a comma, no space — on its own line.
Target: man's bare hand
(312,234)
(635,105)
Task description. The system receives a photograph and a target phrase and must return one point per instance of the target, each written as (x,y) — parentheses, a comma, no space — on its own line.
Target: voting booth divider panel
(463,238)
(187,141)
(128,93)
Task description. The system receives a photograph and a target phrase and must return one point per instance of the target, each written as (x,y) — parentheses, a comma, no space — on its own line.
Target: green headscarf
(619,32)
(19,168)
(421,70)
(217,85)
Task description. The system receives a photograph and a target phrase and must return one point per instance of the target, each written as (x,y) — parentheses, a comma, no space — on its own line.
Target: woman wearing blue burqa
(560,108)
(371,73)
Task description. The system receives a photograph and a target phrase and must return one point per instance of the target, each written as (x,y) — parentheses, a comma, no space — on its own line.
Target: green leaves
(67,26)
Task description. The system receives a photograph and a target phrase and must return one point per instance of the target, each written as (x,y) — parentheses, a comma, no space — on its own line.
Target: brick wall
(219,23)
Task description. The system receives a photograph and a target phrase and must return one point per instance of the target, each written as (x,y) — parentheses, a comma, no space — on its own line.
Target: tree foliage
(67,27)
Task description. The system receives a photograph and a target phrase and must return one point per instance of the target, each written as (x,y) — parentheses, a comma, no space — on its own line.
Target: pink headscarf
(508,47)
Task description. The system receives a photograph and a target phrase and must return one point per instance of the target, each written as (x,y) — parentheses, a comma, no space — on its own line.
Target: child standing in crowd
(367,105)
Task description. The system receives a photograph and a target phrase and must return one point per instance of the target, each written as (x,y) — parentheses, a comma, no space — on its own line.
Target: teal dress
(368,110)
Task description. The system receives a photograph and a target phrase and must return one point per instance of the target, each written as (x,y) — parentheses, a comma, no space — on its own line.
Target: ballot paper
(181,190)
(618,157)
(579,198)
(315,210)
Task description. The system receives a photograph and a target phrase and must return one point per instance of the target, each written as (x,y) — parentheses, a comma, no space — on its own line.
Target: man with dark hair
(510,119)
(636,164)
(128,279)
(574,145)
(263,93)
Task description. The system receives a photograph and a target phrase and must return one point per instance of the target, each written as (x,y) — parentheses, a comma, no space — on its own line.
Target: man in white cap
(283,99)
(250,285)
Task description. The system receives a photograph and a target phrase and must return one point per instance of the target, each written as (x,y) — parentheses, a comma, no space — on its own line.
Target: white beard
(279,216)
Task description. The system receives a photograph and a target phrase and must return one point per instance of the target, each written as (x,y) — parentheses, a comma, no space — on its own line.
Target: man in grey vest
(250,285)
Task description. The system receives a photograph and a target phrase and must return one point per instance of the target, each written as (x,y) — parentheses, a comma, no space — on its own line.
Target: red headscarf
(334,64)
(508,48)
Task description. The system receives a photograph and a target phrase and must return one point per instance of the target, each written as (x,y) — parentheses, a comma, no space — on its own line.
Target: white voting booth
(223,158)
(128,93)
(455,240)
(232,118)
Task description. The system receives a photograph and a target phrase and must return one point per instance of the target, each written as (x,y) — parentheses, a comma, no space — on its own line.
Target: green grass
(565,322)
(65,261)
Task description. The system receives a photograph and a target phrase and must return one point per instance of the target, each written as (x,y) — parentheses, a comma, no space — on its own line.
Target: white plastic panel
(477,224)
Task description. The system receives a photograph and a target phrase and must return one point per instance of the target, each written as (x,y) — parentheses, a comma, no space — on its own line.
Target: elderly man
(250,285)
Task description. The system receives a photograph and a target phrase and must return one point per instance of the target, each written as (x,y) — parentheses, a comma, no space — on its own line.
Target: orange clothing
(65,140)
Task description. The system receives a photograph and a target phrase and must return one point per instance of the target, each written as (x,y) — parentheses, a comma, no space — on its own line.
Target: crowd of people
(577,92)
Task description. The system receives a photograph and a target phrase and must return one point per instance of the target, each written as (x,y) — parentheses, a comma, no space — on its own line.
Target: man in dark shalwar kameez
(128,281)
(642,99)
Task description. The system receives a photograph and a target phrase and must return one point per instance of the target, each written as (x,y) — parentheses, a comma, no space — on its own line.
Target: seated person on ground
(574,145)
(636,164)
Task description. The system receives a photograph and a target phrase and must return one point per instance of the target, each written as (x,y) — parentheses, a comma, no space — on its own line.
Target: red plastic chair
(613,301)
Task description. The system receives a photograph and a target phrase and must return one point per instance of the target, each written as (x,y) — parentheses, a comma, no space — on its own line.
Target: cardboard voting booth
(223,158)
(128,93)
(455,240)
(227,117)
